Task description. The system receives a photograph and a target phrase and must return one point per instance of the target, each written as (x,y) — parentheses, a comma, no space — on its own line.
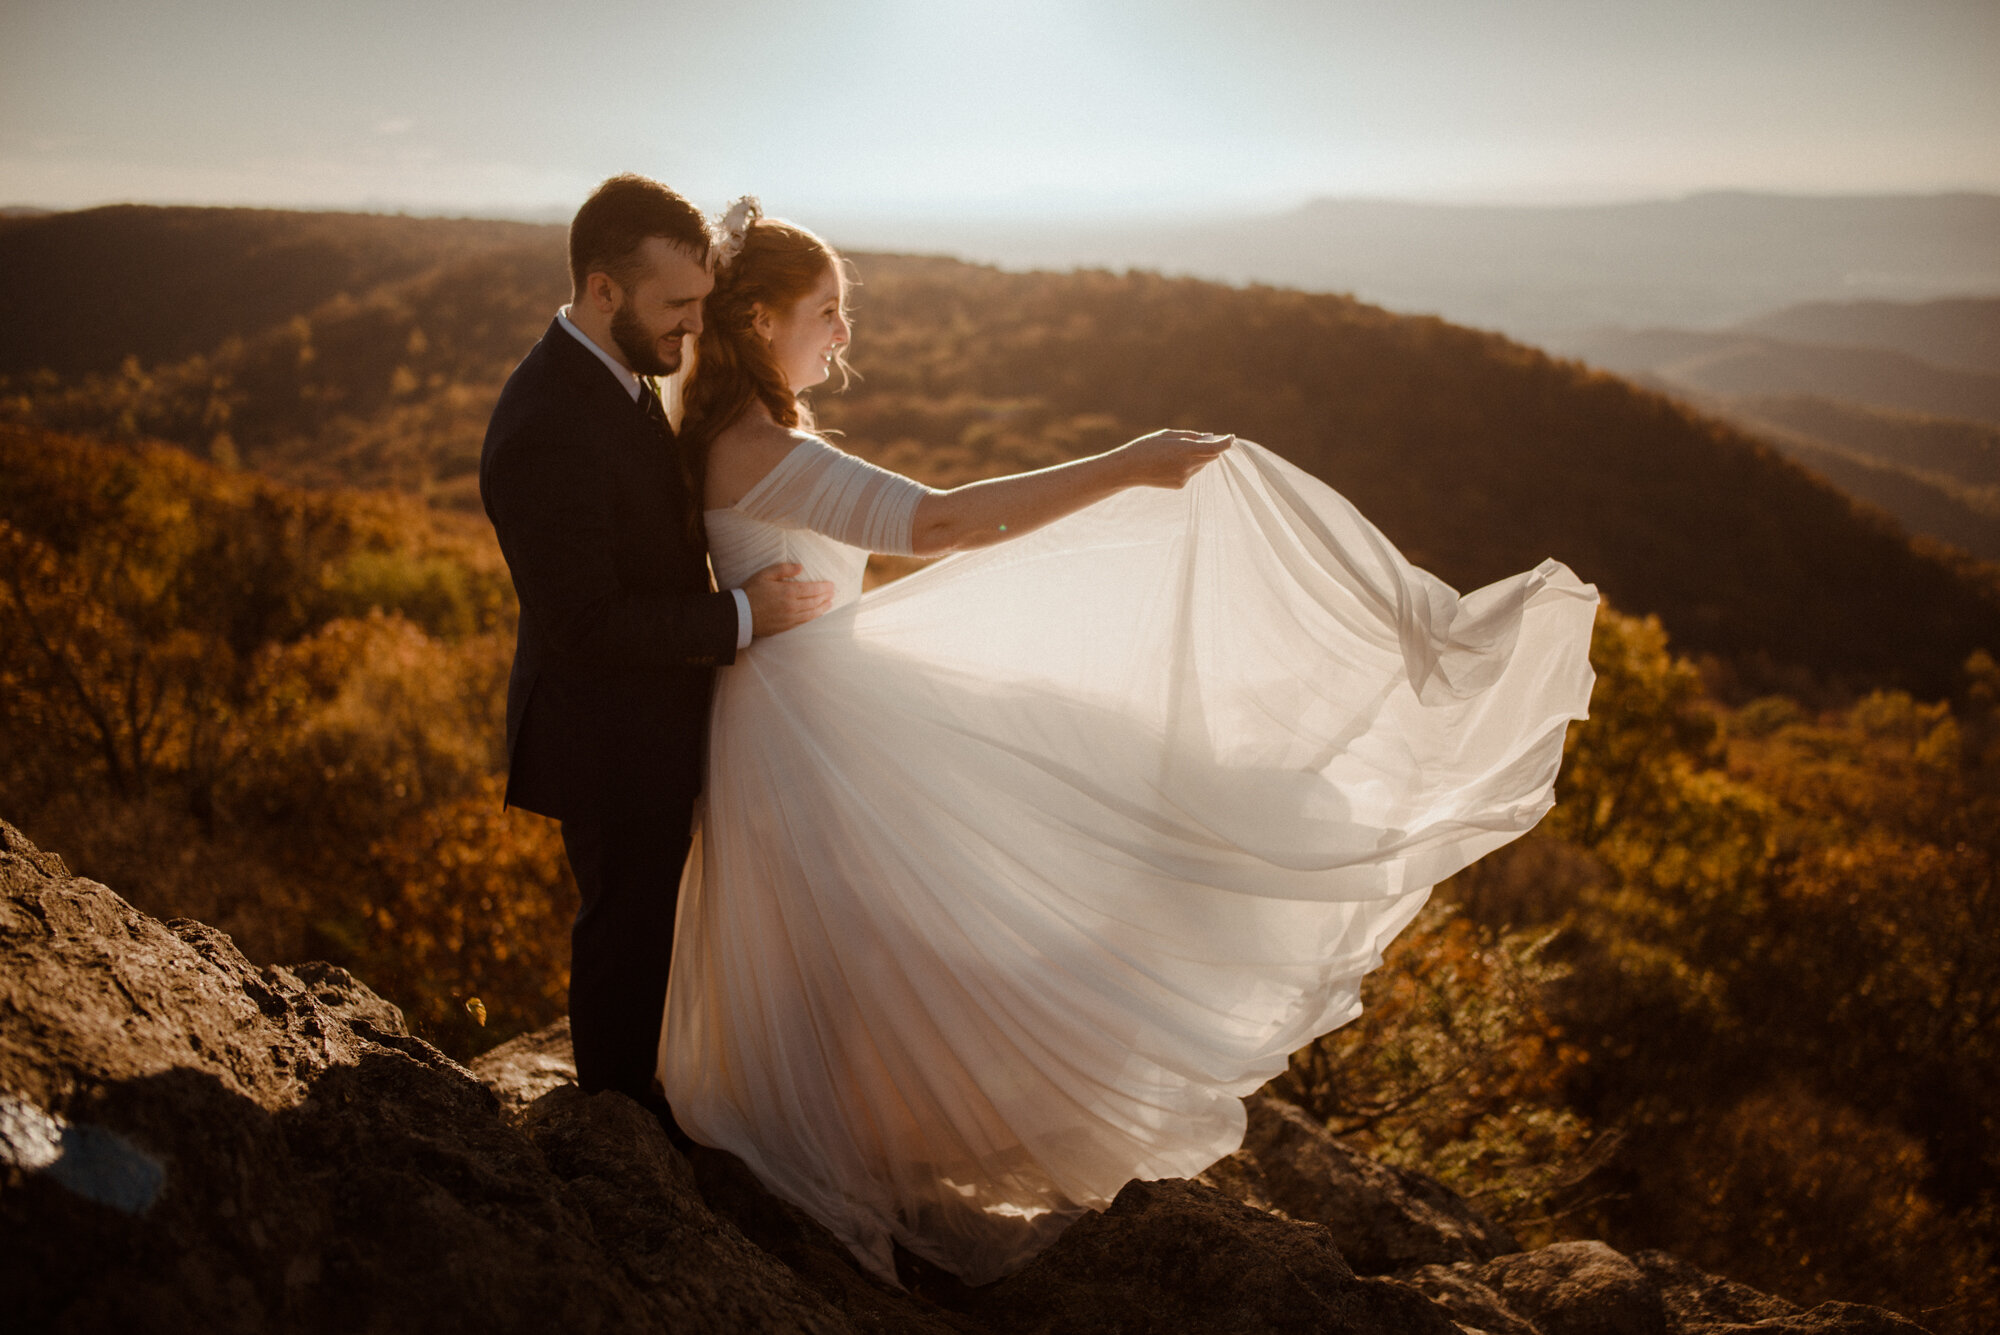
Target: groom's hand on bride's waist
(779,600)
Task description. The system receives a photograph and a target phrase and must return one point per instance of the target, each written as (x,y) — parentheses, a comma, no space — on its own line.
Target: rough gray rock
(1177,1255)
(1383,1219)
(1586,1288)
(1474,1306)
(523,1069)
(1699,1303)
(191,1142)
(1579,1288)
(534,1075)
(314,1167)
(695,1270)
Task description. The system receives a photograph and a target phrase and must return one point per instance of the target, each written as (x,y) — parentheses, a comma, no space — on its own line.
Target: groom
(621,626)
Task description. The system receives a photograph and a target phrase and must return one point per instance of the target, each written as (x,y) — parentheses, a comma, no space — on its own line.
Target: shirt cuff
(743,626)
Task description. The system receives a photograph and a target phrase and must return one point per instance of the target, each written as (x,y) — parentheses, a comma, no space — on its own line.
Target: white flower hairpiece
(735,224)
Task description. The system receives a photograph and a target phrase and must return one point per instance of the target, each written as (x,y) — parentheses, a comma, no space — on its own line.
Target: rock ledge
(191,1142)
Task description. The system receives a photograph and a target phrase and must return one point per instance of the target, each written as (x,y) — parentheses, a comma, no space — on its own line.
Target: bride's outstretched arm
(981,513)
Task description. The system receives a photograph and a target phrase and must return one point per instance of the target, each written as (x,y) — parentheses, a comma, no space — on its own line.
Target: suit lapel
(614,412)
(593,381)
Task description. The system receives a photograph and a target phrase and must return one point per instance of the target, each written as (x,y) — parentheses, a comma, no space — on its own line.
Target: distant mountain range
(1701,262)
(1744,360)
(1897,403)
(1961,334)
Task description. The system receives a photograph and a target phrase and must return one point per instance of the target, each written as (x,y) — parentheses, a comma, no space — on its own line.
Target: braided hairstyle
(758,261)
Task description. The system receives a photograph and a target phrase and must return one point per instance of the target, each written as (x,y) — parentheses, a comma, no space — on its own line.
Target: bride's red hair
(779,265)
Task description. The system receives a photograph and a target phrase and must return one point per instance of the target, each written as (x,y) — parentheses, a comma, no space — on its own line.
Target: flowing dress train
(1017,874)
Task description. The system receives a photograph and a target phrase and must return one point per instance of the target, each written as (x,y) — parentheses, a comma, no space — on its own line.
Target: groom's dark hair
(615,221)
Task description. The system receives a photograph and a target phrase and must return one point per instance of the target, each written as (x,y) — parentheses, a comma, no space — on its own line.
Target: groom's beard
(641,345)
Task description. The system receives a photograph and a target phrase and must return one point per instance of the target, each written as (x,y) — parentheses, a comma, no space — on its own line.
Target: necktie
(656,412)
(686,467)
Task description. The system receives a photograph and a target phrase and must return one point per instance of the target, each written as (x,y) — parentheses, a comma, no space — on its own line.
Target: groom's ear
(601,292)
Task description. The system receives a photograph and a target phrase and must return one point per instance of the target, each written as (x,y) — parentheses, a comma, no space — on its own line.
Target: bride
(1016,875)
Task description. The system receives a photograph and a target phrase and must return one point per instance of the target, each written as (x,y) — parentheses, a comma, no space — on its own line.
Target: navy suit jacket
(621,628)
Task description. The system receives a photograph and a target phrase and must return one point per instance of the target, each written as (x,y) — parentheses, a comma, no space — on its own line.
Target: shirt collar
(626,379)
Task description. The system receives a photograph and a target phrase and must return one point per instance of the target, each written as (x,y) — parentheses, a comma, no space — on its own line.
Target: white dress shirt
(632,387)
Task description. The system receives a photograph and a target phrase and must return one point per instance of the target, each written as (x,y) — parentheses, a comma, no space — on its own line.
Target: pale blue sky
(1001,107)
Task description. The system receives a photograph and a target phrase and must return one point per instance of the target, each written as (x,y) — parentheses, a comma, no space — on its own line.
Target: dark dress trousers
(607,706)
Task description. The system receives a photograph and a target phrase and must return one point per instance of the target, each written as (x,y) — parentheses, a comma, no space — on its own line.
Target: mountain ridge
(1957,333)
(1533,271)
(1909,422)
(1477,455)
(1733,362)
(178,280)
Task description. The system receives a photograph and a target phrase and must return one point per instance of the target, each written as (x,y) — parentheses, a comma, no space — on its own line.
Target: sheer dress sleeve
(849,500)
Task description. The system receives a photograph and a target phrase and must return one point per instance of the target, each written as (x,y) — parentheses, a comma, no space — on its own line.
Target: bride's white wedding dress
(1017,874)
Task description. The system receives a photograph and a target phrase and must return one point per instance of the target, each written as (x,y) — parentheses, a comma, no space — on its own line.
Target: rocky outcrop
(1586,1288)
(1383,1219)
(191,1142)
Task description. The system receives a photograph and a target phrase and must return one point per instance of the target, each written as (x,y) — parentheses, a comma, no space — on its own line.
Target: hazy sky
(1013,106)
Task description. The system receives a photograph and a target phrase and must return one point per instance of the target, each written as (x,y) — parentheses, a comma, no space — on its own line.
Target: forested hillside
(1698,1002)
(1477,455)
(1896,403)
(1960,455)
(82,291)
(1736,997)
(1937,475)
(297,691)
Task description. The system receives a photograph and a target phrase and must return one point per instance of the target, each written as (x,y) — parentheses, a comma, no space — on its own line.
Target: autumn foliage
(277,710)
(1737,996)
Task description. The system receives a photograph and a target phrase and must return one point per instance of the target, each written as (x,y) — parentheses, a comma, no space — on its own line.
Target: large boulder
(1383,1219)
(189,1141)
(1177,1255)
(1579,1288)
(1586,1288)
(534,1078)
(524,1068)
